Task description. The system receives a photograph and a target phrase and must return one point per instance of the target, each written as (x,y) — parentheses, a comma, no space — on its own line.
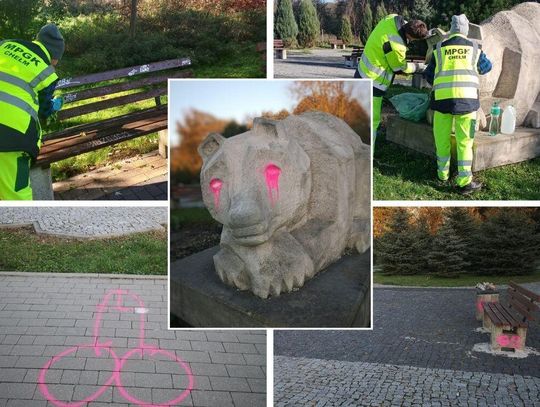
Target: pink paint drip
(509,341)
(215,188)
(271,175)
(115,378)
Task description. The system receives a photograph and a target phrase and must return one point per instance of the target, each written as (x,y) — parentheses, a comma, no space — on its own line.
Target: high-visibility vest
(25,70)
(385,53)
(456,81)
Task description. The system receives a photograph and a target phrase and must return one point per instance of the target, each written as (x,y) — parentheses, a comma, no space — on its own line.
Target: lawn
(141,253)
(189,217)
(402,174)
(465,280)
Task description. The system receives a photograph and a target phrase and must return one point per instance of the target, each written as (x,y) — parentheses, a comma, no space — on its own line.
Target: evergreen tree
(446,258)
(285,24)
(465,227)
(346,31)
(423,10)
(506,244)
(423,241)
(395,250)
(308,24)
(367,23)
(380,12)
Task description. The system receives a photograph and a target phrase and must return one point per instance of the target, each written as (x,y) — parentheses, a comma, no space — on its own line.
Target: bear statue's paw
(231,269)
(363,244)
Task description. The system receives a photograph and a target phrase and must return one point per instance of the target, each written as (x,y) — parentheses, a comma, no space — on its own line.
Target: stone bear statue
(292,195)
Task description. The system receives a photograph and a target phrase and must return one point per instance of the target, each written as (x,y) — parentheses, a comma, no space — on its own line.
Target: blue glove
(57,103)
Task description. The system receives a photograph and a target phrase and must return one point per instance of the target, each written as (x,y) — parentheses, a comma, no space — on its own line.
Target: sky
(236,99)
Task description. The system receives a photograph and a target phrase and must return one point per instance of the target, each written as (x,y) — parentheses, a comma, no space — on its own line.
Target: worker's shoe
(470,188)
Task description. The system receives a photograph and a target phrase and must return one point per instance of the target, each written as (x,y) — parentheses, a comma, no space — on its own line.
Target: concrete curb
(83,275)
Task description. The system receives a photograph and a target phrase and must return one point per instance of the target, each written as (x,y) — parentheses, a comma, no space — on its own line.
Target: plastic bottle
(495,114)
(508,120)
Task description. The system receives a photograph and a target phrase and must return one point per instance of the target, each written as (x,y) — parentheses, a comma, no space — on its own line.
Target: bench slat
(100,138)
(522,290)
(521,309)
(86,127)
(524,301)
(108,103)
(122,72)
(121,87)
(501,316)
(510,316)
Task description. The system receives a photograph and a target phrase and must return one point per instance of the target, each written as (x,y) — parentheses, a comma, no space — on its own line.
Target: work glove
(57,103)
(419,67)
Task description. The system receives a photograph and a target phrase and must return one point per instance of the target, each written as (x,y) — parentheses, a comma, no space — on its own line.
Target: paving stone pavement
(86,221)
(70,339)
(143,177)
(415,327)
(318,382)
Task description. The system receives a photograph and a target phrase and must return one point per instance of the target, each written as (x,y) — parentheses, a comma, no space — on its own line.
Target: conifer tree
(285,24)
(367,23)
(380,12)
(423,241)
(447,251)
(465,227)
(423,10)
(506,244)
(346,30)
(308,24)
(395,249)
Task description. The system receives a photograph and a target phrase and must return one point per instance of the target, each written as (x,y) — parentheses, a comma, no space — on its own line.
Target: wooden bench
(351,61)
(508,323)
(279,50)
(337,42)
(83,138)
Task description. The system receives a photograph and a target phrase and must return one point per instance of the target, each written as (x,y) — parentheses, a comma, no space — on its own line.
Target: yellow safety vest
(456,80)
(23,74)
(385,53)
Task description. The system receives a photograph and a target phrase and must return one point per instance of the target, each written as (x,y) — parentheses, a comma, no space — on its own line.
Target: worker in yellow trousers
(385,55)
(454,73)
(27,84)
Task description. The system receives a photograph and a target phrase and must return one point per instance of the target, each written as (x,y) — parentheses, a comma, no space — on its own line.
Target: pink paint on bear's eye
(215,188)
(271,174)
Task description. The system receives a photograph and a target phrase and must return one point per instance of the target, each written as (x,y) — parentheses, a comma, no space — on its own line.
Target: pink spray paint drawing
(215,187)
(509,341)
(271,174)
(98,347)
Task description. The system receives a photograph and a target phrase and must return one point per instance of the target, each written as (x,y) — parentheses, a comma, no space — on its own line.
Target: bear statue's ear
(266,126)
(210,145)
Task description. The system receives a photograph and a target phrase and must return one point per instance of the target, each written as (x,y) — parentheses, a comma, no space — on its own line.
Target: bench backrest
(145,88)
(523,301)
(278,44)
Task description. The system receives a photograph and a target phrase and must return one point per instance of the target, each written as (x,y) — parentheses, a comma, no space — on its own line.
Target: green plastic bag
(411,106)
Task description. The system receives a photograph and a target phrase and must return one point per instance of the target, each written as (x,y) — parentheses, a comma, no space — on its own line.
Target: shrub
(346,30)
(285,24)
(308,24)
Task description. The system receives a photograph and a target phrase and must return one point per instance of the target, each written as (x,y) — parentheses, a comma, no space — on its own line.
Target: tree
(367,23)
(421,234)
(285,24)
(233,128)
(335,98)
(506,244)
(446,258)
(423,10)
(465,226)
(308,24)
(17,18)
(132,18)
(380,12)
(395,250)
(346,31)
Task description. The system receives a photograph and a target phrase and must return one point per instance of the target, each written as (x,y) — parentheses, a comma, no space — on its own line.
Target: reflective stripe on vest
(19,103)
(455,73)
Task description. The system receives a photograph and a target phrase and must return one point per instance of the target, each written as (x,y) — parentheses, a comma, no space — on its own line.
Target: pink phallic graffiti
(480,305)
(99,347)
(509,341)
(215,187)
(271,174)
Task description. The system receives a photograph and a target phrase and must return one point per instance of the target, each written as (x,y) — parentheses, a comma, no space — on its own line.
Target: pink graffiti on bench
(509,341)
(98,347)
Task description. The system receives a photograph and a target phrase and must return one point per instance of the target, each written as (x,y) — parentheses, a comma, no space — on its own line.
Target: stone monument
(292,196)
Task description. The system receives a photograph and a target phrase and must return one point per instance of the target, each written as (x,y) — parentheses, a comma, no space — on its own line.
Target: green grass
(465,280)
(142,253)
(246,65)
(400,174)
(190,216)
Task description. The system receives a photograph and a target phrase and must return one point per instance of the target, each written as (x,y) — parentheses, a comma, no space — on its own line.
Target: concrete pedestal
(338,297)
(489,151)
(164,143)
(41,183)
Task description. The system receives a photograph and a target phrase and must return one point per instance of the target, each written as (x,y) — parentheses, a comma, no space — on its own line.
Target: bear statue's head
(255,183)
